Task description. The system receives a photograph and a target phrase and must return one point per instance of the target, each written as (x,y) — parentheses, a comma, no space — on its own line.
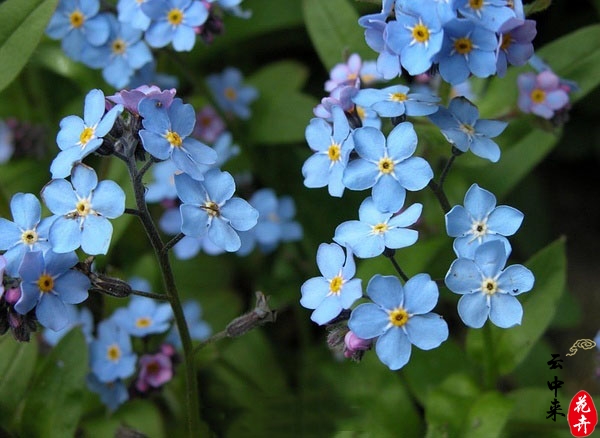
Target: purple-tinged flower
(335,290)
(143,317)
(77,23)
(112,394)
(487,288)
(463,128)
(480,221)
(84,207)
(515,44)
(344,73)
(27,233)
(375,231)
(232,96)
(341,96)
(209,209)
(155,370)
(396,100)
(174,21)
(209,125)
(111,356)
(416,36)
(166,135)
(49,284)
(332,146)
(541,94)
(399,317)
(2,267)
(467,49)
(130,99)
(78,137)
(387,165)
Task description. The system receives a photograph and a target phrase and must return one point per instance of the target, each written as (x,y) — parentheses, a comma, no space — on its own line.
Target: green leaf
(141,416)
(333,30)
(53,406)
(22,24)
(536,6)
(281,113)
(511,346)
(487,416)
(17,360)
(528,417)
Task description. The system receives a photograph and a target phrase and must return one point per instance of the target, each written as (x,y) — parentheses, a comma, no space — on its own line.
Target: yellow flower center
(83,208)
(45,283)
(386,165)
(489,286)
(506,41)
(379,228)
(463,45)
(113,353)
(335,285)
(86,135)
(119,46)
(143,322)
(476,4)
(334,152)
(212,209)
(175,16)
(397,97)
(174,139)
(230,93)
(538,96)
(420,33)
(361,112)
(76,19)
(398,317)
(29,237)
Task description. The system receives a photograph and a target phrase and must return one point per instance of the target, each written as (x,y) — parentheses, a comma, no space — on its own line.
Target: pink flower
(354,344)
(541,94)
(131,98)
(209,126)
(155,371)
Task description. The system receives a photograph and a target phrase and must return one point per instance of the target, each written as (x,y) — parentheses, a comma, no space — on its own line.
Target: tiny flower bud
(258,316)
(12,295)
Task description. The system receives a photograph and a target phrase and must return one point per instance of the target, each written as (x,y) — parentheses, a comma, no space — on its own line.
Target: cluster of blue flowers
(452,40)
(119,42)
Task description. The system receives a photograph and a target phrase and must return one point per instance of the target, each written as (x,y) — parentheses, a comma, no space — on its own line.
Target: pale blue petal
(194,220)
(407,217)
(360,174)
(426,331)
(51,312)
(314,291)
(330,259)
(368,321)
(10,234)
(318,134)
(189,190)
(479,202)
(223,235)
(72,287)
(397,238)
(369,143)
(402,141)
(59,197)
(506,311)
(94,107)
(84,180)
(505,220)
(485,148)
(351,292)
(316,171)
(386,291)
(388,195)
(393,348)
(109,199)
(219,185)
(420,294)
(458,221)
(413,173)
(491,258)
(463,277)
(516,279)
(241,215)
(473,309)
(64,235)
(63,162)
(327,310)
(96,235)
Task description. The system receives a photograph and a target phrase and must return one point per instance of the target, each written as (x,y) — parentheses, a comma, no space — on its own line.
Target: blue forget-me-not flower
(396,100)
(231,94)
(111,355)
(143,316)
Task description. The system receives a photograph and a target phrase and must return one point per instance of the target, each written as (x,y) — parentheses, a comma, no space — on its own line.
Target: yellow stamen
(113,353)
(334,152)
(45,283)
(397,97)
(386,165)
(335,285)
(119,46)
(29,237)
(174,139)
(379,228)
(463,45)
(76,19)
(476,4)
(230,93)
(86,135)
(175,16)
(538,96)
(489,286)
(398,317)
(420,33)
(143,322)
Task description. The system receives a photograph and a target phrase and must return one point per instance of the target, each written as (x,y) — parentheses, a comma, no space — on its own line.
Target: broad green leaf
(446,406)
(53,404)
(528,417)
(511,346)
(22,24)
(141,416)
(333,30)
(17,360)
(488,416)
(536,6)
(281,113)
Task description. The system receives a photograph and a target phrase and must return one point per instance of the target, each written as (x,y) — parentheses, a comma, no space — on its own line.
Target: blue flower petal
(479,202)
(156,145)
(194,220)
(219,185)
(241,215)
(393,348)
(96,235)
(397,238)
(182,117)
(427,331)
(64,235)
(189,190)
(506,311)
(421,294)
(491,258)
(368,321)
(314,291)
(72,287)
(505,220)
(93,109)
(463,276)
(318,134)
(369,143)
(485,148)
(223,235)
(109,199)
(26,210)
(458,221)
(407,217)
(329,308)
(386,291)
(84,180)
(360,174)
(473,309)
(388,195)
(51,312)
(330,259)
(516,279)
(62,164)
(402,141)
(413,173)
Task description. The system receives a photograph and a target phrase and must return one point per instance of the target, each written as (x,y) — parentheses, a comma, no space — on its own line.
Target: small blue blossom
(111,356)
(77,318)
(131,13)
(112,394)
(487,289)
(516,46)
(188,247)
(173,21)
(332,146)
(166,134)
(375,231)
(416,35)
(388,167)
(209,209)
(143,317)
(230,93)
(336,289)
(388,62)
(78,137)
(123,53)
(396,101)
(467,49)
(198,328)
(27,233)
(7,144)
(83,207)
(275,220)
(444,9)
(49,284)
(163,186)
(461,126)
(480,221)
(77,23)
(490,14)
(400,316)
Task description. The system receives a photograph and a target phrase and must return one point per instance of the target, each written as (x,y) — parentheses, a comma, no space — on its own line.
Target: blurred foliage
(282,380)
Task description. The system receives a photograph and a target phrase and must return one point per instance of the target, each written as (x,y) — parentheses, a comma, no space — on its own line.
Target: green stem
(193,404)
(490,371)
